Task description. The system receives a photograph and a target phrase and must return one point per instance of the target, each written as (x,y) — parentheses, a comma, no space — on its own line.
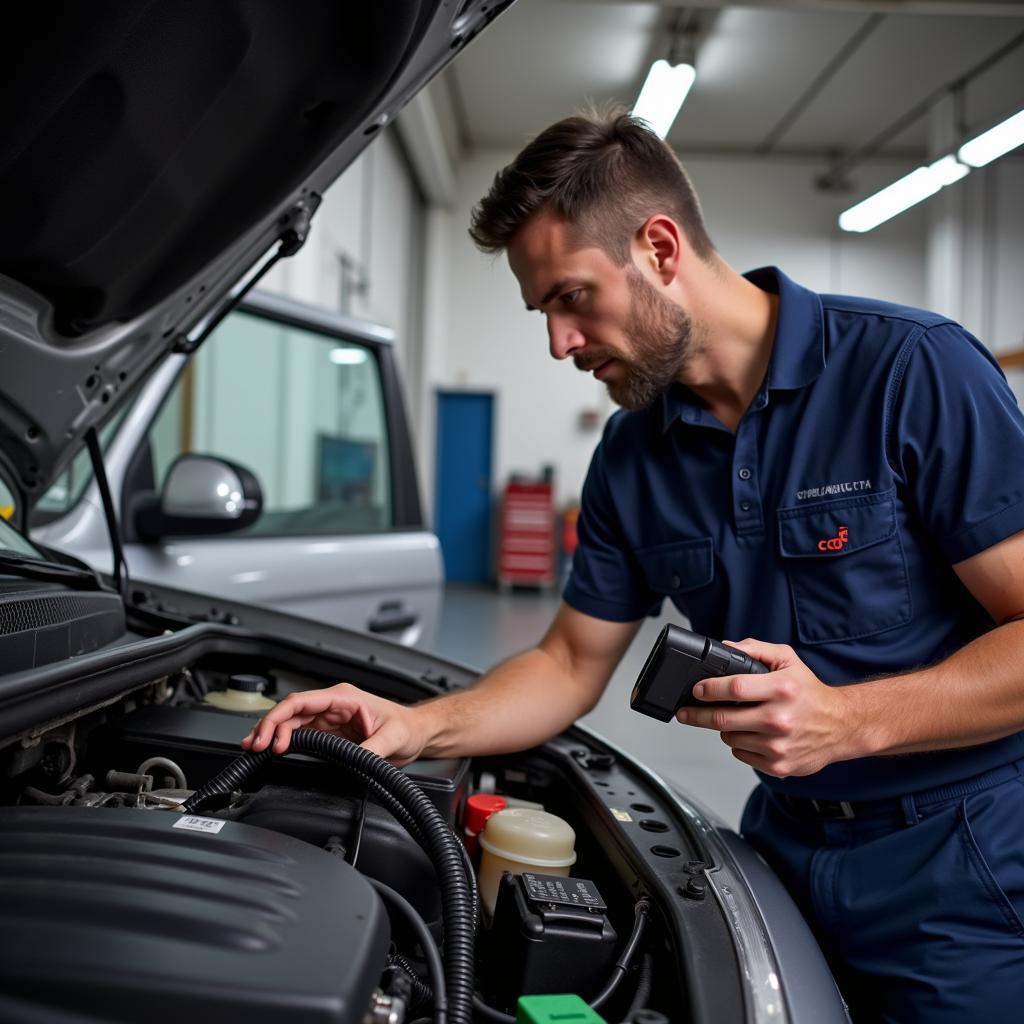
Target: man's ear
(661,244)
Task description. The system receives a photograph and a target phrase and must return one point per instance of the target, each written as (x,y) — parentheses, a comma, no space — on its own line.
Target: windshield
(12,541)
(65,491)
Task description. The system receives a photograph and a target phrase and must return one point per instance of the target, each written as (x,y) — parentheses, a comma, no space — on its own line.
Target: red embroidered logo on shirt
(836,543)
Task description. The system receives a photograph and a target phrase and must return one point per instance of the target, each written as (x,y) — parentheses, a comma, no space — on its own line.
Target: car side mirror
(201,496)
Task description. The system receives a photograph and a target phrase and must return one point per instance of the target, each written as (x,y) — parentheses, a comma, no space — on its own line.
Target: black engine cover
(123,915)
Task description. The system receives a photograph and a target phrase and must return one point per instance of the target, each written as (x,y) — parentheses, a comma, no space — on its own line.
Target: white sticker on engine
(196,824)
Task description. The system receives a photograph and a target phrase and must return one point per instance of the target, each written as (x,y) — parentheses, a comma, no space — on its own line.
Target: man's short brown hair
(605,173)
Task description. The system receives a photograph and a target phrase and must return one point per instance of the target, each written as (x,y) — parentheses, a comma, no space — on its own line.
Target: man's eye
(569,298)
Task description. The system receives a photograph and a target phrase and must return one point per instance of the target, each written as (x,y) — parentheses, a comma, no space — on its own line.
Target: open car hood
(154,157)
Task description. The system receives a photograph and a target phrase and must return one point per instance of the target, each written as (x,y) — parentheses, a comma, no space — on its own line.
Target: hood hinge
(293,231)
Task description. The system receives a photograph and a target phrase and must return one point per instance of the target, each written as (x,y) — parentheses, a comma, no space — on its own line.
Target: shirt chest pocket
(845,565)
(678,567)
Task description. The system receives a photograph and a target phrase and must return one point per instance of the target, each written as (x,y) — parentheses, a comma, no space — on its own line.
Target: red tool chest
(526,545)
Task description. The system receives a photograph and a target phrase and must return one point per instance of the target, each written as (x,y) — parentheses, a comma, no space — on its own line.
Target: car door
(310,403)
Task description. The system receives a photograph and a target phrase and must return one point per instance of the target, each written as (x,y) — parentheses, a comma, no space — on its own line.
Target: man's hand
(788,722)
(388,729)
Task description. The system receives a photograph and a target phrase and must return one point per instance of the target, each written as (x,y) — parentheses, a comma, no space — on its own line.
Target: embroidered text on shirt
(847,487)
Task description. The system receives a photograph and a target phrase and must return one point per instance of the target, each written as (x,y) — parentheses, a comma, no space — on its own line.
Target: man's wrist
(863,722)
(431,721)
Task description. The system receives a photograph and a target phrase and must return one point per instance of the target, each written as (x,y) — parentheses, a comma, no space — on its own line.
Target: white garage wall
(762,212)
(758,212)
(372,217)
(993,261)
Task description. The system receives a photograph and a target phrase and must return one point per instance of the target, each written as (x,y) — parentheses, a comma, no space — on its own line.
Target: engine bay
(276,899)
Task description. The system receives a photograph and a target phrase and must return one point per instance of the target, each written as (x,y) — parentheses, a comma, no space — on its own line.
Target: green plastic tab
(555,1010)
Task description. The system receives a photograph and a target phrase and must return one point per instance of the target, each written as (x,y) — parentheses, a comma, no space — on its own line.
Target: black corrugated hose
(421,992)
(398,811)
(437,839)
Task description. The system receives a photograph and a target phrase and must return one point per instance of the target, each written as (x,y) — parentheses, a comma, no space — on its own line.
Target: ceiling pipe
(834,179)
(831,69)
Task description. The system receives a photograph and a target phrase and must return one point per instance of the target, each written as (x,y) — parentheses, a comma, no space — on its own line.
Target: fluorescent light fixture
(347,356)
(926,181)
(949,169)
(908,191)
(663,94)
(984,148)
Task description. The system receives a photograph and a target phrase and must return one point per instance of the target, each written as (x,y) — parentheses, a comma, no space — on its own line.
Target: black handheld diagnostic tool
(678,660)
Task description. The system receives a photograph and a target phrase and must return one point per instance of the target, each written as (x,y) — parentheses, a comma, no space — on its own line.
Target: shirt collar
(798,351)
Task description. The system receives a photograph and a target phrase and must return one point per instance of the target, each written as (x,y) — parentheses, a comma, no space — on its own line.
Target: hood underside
(152,153)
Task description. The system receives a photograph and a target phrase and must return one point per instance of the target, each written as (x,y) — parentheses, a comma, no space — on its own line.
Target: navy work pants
(918,903)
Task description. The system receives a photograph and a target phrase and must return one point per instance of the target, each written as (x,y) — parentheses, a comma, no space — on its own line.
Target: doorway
(463,491)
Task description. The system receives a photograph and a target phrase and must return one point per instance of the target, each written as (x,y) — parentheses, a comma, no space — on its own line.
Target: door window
(304,411)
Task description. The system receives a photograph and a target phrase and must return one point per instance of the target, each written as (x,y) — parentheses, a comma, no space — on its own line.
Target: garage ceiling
(791,77)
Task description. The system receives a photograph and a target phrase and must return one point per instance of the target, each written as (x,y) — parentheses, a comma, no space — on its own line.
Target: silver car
(339,534)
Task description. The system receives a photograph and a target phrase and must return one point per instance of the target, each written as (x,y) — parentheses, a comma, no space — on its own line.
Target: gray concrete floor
(481,626)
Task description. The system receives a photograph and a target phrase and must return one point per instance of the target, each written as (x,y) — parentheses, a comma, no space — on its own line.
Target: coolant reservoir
(523,839)
(244,693)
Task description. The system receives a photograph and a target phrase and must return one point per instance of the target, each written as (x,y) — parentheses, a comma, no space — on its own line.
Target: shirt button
(745,506)
(675,582)
(744,473)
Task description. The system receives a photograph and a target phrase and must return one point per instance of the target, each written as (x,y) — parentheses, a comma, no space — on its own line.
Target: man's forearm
(520,703)
(974,696)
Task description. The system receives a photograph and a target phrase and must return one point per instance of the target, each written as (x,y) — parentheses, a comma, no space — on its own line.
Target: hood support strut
(295,225)
(96,458)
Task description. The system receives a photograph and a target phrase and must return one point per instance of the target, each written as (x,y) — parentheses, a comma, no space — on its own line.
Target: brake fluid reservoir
(244,693)
(523,839)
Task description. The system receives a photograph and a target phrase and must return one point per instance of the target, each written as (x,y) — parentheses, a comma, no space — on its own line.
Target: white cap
(531,836)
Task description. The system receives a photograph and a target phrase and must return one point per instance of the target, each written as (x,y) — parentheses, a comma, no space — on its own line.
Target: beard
(663,340)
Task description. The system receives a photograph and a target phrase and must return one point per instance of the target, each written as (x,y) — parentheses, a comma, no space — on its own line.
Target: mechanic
(842,478)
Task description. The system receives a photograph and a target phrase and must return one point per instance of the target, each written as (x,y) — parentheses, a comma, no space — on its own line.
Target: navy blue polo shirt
(883,447)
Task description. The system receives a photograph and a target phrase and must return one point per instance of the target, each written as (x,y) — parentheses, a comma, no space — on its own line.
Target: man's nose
(563,338)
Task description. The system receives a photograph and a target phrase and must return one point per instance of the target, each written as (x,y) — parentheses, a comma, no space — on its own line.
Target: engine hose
(436,837)
(644,985)
(163,762)
(640,912)
(491,1014)
(225,782)
(398,811)
(421,991)
(399,903)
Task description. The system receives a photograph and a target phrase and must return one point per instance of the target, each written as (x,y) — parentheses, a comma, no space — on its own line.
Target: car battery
(550,934)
